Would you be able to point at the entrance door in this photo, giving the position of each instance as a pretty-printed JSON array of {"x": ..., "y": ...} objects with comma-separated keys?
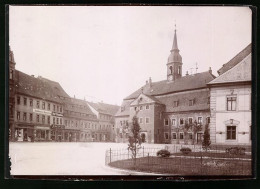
[
  {"x": 199, "y": 138},
  {"x": 143, "y": 137}
]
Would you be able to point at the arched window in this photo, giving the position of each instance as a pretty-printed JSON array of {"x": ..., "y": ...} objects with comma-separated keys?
[{"x": 171, "y": 71}]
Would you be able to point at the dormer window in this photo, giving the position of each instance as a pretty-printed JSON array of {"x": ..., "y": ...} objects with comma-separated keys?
[
  {"x": 191, "y": 102},
  {"x": 175, "y": 103}
]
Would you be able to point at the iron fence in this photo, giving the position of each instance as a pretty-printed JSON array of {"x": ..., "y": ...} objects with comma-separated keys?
[{"x": 216, "y": 160}]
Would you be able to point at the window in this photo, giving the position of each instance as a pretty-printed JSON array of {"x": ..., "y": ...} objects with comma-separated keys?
[
  {"x": 190, "y": 120},
  {"x": 231, "y": 103},
  {"x": 191, "y": 102},
  {"x": 61, "y": 121},
  {"x": 25, "y": 101},
  {"x": 24, "y": 116},
  {"x": 231, "y": 132},
  {"x": 199, "y": 120},
  {"x": 43, "y": 105},
  {"x": 166, "y": 136},
  {"x": 49, "y": 119},
  {"x": 179, "y": 70},
  {"x": 171, "y": 71},
  {"x": 140, "y": 120},
  {"x": 166, "y": 122},
  {"x": 136, "y": 108},
  {"x": 54, "y": 121},
  {"x": 38, "y": 118},
  {"x": 31, "y": 102},
  {"x": 43, "y": 118},
  {"x": 57, "y": 119},
  {"x": 181, "y": 121},
  {"x": 181, "y": 136},
  {"x": 147, "y": 107},
  {"x": 141, "y": 108},
  {"x": 11, "y": 74},
  {"x": 208, "y": 120},
  {"x": 18, "y": 100},
  {"x": 190, "y": 135},
  {"x": 175, "y": 103},
  {"x": 58, "y": 108},
  {"x": 147, "y": 120},
  {"x": 173, "y": 122},
  {"x": 49, "y": 106},
  {"x": 18, "y": 115},
  {"x": 174, "y": 136},
  {"x": 31, "y": 117},
  {"x": 61, "y": 109},
  {"x": 54, "y": 108},
  {"x": 38, "y": 104}
]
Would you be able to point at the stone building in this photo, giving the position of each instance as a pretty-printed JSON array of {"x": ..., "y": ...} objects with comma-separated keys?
[
  {"x": 230, "y": 101},
  {"x": 40, "y": 110},
  {"x": 168, "y": 110}
]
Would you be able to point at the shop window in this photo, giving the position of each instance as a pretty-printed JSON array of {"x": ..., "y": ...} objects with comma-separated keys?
[
  {"x": 231, "y": 103},
  {"x": 25, "y": 101},
  {"x": 231, "y": 132}
]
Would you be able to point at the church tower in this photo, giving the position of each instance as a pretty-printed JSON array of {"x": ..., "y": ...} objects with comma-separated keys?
[{"x": 174, "y": 64}]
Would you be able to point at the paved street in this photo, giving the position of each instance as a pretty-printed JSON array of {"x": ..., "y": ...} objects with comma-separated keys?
[{"x": 64, "y": 158}]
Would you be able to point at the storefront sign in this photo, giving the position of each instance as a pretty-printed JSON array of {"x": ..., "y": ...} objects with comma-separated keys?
[
  {"x": 42, "y": 111},
  {"x": 56, "y": 114},
  {"x": 41, "y": 127}
]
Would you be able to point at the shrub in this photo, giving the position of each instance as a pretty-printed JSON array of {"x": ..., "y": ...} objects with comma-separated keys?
[
  {"x": 185, "y": 150},
  {"x": 163, "y": 153},
  {"x": 236, "y": 151}
]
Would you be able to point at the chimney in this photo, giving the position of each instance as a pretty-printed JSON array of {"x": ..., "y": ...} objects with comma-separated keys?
[
  {"x": 187, "y": 73},
  {"x": 150, "y": 82},
  {"x": 210, "y": 71}
]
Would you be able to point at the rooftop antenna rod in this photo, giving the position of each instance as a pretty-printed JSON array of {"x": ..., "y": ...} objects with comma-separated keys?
[{"x": 196, "y": 67}]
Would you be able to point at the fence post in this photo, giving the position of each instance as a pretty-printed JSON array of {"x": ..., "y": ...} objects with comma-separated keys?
[
  {"x": 110, "y": 155},
  {"x": 143, "y": 151}
]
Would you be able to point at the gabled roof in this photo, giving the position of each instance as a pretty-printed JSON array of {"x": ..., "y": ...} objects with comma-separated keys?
[
  {"x": 38, "y": 87},
  {"x": 144, "y": 99},
  {"x": 234, "y": 61},
  {"x": 189, "y": 82},
  {"x": 104, "y": 108},
  {"x": 241, "y": 72}
]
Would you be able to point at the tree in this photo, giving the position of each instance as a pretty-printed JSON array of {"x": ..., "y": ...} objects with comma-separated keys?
[
  {"x": 196, "y": 128},
  {"x": 206, "y": 139},
  {"x": 134, "y": 139}
]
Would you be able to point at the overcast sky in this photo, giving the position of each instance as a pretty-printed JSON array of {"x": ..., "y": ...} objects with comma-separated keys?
[{"x": 106, "y": 53}]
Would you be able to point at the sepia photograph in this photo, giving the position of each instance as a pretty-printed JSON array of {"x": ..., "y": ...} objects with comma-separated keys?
[{"x": 130, "y": 90}]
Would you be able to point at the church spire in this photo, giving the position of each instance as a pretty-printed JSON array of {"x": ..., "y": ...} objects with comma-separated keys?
[{"x": 175, "y": 44}]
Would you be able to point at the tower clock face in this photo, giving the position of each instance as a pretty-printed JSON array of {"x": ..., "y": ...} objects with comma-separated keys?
[{"x": 170, "y": 77}]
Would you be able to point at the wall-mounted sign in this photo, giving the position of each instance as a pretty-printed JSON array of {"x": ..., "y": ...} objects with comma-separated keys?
[
  {"x": 56, "y": 114},
  {"x": 42, "y": 111}
]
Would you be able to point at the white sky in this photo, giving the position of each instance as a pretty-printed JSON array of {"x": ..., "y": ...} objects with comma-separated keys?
[{"x": 109, "y": 52}]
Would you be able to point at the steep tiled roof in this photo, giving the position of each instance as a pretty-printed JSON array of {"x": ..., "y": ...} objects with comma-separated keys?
[
  {"x": 189, "y": 82},
  {"x": 38, "y": 87},
  {"x": 200, "y": 101},
  {"x": 234, "y": 61},
  {"x": 104, "y": 108}
]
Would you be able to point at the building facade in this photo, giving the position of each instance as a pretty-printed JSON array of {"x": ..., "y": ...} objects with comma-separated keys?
[
  {"x": 230, "y": 102},
  {"x": 174, "y": 110},
  {"x": 40, "y": 110}
]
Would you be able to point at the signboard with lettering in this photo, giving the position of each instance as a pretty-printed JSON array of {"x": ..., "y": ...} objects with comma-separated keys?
[
  {"x": 38, "y": 111},
  {"x": 56, "y": 114}
]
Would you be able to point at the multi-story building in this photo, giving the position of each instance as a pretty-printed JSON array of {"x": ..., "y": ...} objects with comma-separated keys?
[
  {"x": 230, "y": 101},
  {"x": 40, "y": 110},
  {"x": 168, "y": 111}
]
